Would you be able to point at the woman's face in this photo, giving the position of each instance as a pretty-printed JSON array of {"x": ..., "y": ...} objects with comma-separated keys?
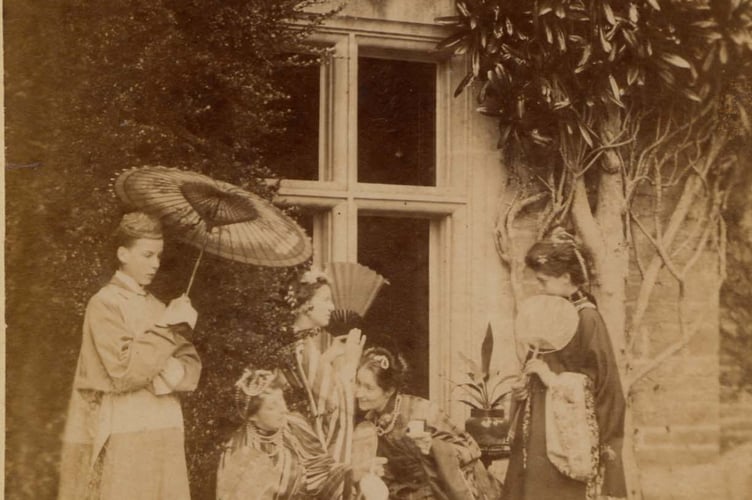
[
  {"x": 368, "y": 393},
  {"x": 272, "y": 412},
  {"x": 319, "y": 308},
  {"x": 561, "y": 286},
  {"x": 141, "y": 259}
]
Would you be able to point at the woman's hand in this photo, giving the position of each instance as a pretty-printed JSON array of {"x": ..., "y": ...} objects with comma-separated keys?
[
  {"x": 344, "y": 353},
  {"x": 540, "y": 368},
  {"x": 179, "y": 311},
  {"x": 377, "y": 466},
  {"x": 373, "y": 488}
]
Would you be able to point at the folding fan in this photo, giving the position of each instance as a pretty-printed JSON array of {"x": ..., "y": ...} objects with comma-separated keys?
[{"x": 354, "y": 288}]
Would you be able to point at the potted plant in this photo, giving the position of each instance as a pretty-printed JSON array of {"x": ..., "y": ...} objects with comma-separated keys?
[{"x": 485, "y": 394}]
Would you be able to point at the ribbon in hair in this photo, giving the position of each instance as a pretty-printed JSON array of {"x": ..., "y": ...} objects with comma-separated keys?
[
  {"x": 255, "y": 382},
  {"x": 382, "y": 360}
]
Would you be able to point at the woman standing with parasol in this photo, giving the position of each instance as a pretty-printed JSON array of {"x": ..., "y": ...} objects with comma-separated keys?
[
  {"x": 124, "y": 434},
  {"x": 573, "y": 394}
]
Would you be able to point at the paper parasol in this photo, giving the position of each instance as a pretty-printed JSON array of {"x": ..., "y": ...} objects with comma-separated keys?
[{"x": 215, "y": 216}]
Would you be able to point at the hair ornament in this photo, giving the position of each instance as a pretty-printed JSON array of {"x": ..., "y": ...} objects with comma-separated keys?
[
  {"x": 290, "y": 297},
  {"x": 313, "y": 276},
  {"x": 382, "y": 360},
  {"x": 541, "y": 259},
  {"x": 254, "y": 382},
  {"x": 561, "y": 236}
]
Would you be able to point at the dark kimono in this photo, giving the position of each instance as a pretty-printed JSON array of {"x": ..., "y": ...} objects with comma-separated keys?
[
  {"x": 531, "y": 475},
  {"x": 451, "y": 470}
]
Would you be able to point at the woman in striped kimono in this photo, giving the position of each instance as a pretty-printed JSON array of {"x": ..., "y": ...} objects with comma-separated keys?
[
  {"x": 324, "y": 366},
  {"x": 276, "y": 454}
]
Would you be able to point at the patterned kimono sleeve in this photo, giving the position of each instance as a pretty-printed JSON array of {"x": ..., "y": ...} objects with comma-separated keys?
[{"x": 131, "y": 359}]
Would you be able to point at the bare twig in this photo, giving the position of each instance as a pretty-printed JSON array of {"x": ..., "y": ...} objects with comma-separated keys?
[{"x": 658, "y": 246}]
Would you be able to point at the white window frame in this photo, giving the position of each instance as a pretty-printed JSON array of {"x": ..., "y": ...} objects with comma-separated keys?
[{"x": 341, "y": 198}]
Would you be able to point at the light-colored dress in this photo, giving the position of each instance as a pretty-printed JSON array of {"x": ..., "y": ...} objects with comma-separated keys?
[{"x": 124, "y": 433}]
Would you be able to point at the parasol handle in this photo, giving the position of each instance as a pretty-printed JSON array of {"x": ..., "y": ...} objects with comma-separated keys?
[{"x": 195, "y": 268}]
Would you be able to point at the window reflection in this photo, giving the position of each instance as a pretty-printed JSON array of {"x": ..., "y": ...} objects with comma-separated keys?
[
  {"x": 396, "y": 122},
  {"x": 295, "y": 155},
  {"x": 398, "y": 248}
]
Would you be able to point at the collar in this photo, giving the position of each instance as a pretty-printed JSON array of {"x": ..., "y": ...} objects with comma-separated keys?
[
  {"x": 582, "y": 300},
  {"x": 124, "y": 281}
]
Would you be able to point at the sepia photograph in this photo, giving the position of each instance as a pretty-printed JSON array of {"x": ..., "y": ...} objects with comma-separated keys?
[{"x": 378, "y": 249}]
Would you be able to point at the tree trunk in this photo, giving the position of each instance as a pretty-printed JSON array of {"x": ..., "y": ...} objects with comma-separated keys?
[{"x": 602, "y": 229}]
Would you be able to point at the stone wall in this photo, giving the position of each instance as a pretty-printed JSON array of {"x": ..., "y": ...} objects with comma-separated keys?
[{"x": 676, "y": 408}]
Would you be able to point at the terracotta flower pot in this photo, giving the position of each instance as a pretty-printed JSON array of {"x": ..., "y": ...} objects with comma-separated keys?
[{"x": 489, "y": 429}]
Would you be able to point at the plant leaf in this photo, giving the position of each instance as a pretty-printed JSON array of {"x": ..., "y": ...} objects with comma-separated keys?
[
  {"x": 472, "y": 365},
  {"x": 609, "y": 13},
  {"x": 448, "y": 20},
  {"x": 676, "y": 60},
  {"x": 471, "y": 404},
  {"x": 463, "y": 84},
  {"x": 472, "y": 389},
  {"x": 585, "y": 134},
  {"x": 654, "y": 4},
  {"x": 499, "y": 399},
  {"x": 486, "y": 350},
  {"x": 451, "y": 40},
  {"x": 614, "y": 87}
]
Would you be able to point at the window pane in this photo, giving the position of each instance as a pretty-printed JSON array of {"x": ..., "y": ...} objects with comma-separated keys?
[
  {"x": 398, "y": 320},
  {"x": 396, "y": 122},
  {"x": 296, "y": 154}
]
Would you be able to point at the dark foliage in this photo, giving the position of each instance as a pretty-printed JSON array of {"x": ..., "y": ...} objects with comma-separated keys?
[{"x": 96, "y": 87}]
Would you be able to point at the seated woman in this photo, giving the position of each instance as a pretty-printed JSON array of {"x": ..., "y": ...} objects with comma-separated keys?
[
  {"x": 277, "y": 454},
  {"x": 437, "y": 462}
]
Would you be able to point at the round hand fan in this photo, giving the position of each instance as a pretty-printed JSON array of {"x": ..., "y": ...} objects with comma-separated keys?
[
  {"x": 354, "y": 288},
  {"x": 546, "y": 323}
]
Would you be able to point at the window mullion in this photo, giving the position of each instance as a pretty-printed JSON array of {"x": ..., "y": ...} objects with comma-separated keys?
[
  {"x": 339, "y": 85},
  {"x": 352, "y": 104}
]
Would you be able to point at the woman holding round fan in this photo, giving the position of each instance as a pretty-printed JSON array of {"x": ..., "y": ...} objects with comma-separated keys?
[
  {"x": 573, "y": 395},
  {"x": 428, "y": 457}
]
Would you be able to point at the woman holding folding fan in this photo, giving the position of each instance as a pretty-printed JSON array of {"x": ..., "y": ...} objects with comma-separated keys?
[
  {"x": 324, "y": 366},
  {"x": 319, "y": 448}
]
